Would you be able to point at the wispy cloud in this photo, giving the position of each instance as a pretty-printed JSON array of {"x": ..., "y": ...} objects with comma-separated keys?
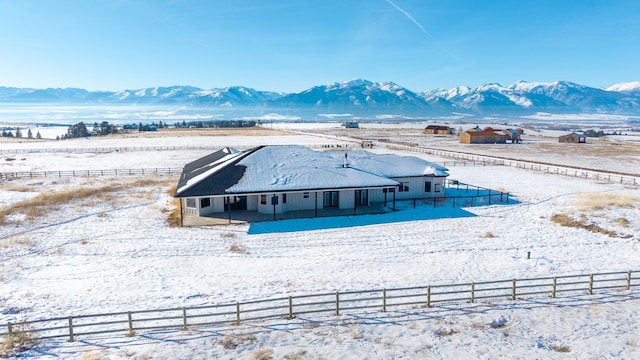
[{"x": 406, "y": 13}]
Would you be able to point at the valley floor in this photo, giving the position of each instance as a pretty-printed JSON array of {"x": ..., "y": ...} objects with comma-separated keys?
[{"x": 114, "y": 251}]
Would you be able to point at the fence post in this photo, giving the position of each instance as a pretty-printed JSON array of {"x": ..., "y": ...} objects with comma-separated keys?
[
  {"x": 590, "y": 284},
  {"x": 513, "y": 290},
  {"x": 70, "y": 329},
  {"x": 290, "y": 307},
  {"x": 629, "y": 280},
  {"x": 473, "y": 286},
  {"x": 9, "y": 342},
  {"x": 237, "y": 313},
  {"x": 130, "y": 318},
  {"x": 337, "y": 303},
  {"x": 384, "y": 300},
  {"x": 555, "y": 283},
  {"x": 428, "y": 295},
  {"x": 184, "y": 318}
]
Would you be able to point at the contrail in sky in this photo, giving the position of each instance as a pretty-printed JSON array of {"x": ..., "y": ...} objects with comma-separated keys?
[
  {"x": 421, "y": 27},
  {"x": 410, "y": 17}
]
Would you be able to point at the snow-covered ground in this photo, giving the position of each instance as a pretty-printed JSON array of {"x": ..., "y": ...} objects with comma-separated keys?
[{"x": 119, "y": 254}]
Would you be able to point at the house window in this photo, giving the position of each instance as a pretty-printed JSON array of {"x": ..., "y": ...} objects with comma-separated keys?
[
  {"x": 191, "y": 203},
  {"x": 284, "y": 198},
  {"x": 263, "y": 199},
  {"x": 362, "y": 197},
  {"x": 427, "y": 186},
  {"x": 404, "y": 186},
  {"x": 305, "y": 195},
  {"x": 330, "y": 199},
  {"x": 205, "y": 202},
  {"x": 436, "y": 187}
]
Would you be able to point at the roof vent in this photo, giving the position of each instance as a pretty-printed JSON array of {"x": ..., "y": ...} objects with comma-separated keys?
[{"x": 345, "y": 165}]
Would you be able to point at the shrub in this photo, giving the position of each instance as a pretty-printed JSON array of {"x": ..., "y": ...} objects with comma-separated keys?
[
  {"x": 566, "y": 220},
  {"x": 22, "y": 340},
  {"x": 174, "y": 218},
  {"x": 561, "y": 349},
  {"x": 238, "y": 248},
  {"x": 264, "y": 354}
]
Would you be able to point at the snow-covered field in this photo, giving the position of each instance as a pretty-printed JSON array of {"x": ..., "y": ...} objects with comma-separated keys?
[{"x": 117, "y": 253}]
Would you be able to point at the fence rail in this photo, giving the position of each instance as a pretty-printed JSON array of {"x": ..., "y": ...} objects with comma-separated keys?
[
  {"x": 88, "y": 173},
  {"x": 333, "y": 303},
  {"x": 476, "y": 160},
  {"x": 99, "y": 150}
]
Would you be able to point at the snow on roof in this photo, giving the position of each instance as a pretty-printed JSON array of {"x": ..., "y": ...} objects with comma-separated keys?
[
  {"x": 293, "y": 167},
  {"x": 393, "y": 166},
  {"x": 279, "y": 168}
]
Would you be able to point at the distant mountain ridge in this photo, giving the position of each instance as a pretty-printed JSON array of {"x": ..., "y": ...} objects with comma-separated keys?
[{"x": 365, "y": 96}]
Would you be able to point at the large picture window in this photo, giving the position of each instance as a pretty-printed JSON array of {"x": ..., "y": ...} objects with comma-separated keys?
[
  {"x": 362, "y": 197},
  {"x": 205, "y": 202},
  {"x": 330, "y": 199}
]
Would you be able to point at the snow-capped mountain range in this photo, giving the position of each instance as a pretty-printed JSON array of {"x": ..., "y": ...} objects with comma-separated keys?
[{"x": 365, "y": 96}]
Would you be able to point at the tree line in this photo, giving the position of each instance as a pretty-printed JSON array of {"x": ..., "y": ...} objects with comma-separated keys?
[{"x": 7, "y": 132}]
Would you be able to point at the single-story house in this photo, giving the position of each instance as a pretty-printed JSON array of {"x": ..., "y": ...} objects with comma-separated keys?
[
  {"x": 437, "y": 129},
  {"x": 573, "y": 138},
  {"x": 289, "y": 178},
  {"x": 351, "y": 125},
  {"x": 474, "y": 136}
]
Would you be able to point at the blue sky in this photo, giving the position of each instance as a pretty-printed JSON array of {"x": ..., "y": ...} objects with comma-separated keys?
[{"x": 292, "y": 45}]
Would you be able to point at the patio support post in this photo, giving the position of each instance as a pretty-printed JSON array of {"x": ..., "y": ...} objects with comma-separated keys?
[
  {"x": 316, "y": 207},
  {"x": 355, "y": 204},
  {"x": 394, "y": 201},
  {"x": 229, "y": 208}
]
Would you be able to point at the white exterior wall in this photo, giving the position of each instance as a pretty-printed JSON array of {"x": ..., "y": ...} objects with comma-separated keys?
[
  {"x": 346, "y": 199},
  {"x": 252, "y": 202},
  {"x": 297, "y": 201},
  {"x": 377, "y": 195},
  {"x": 217, "y": 204},
  {"x": 416, "y": 187}
]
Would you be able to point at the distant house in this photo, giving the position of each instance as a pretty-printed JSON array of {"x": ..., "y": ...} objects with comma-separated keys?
[
  {"x": 437, "y": 129},
  {"x": 351, "y": 125},
  {"x": 513, "y": 135},
  {"x": 475, "y": 136},
  {"x": 294, "y": 179},
  {"x": 573, "y": 138}
]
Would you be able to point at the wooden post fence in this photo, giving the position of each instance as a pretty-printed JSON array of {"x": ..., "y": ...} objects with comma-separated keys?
[{"x": 338, "y": 303}]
